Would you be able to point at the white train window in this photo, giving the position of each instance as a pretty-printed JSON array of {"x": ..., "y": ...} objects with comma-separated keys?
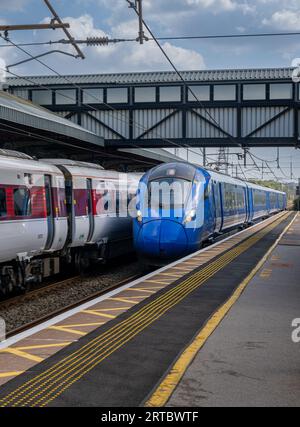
[
  {"x": 3, "y": 209},
  {"x": 22, "y": 202}
]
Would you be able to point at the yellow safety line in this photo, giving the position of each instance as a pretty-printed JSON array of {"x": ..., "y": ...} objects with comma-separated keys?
[
  {"x": 41, "y": 346},
  {"x": 171, "y": 274},
  {"x": 98, "y": 313},
  {"x": 141, "y": 320},
  {"x": 190, "y": 261},
  {"x": 10, "y": 374},
  {"x": 79, "y": 325},
  {"x": 134, "y": 297},
  {"x": 126, "y": 301},
  {"x": 166, "y": 388},
  {"x": 22, "y": 354},
  {"x": 66, "y": 329},
  {"x": 140, "y": 290},
  {"x": 158, "y": 282},
  {"x": 114, "y": 309}
]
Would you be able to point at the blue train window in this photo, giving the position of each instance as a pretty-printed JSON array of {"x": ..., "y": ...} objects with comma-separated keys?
[
  {"x": 3, "y": 209},
  {"x": 206, "y": 193},
  {"x": 260, "y": 198},
  {"x": 273, "y": 200}
]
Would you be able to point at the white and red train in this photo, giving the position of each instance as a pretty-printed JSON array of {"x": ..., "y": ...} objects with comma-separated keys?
[{"x": 54, "y": 211}]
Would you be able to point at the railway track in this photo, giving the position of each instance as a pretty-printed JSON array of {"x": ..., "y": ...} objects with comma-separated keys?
[
  {"x": 41, "y": 290},
  {"x": 25, "y": 311},
  {"x": 61, "y": 310}
]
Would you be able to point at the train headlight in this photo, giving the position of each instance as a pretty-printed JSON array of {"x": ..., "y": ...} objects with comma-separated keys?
[
  {"x": 191, "y": 216},
  {"x": 139, "y": 216}
]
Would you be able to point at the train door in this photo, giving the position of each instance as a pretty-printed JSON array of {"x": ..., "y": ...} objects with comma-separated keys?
[
  {"x": 251, "y": 204},
  {"x": 50, "y": 213},
  {"x": 247, "y": 205},
  {"x": 209, "y": 210},
  {"x": 90, "y": 209},
  {"x": 218, "y": 207}
]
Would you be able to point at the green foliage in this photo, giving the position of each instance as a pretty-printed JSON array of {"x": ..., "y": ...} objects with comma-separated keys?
[
  {"x": 271, "y": 184},
  {"x": 297, "y": 204},
  {"x": 289, "y": 189}
]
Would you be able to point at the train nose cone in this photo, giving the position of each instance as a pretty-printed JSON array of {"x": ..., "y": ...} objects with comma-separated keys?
[
  {"x": 164, "y": 238},
  {"x": 149, "y": 238},
  {"x": 173, "y": 240}
]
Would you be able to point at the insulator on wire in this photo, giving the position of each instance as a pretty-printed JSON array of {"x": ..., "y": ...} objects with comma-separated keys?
[{"x": 97, "y": 41}]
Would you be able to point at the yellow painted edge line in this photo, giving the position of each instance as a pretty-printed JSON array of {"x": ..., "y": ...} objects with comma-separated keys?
[
  {"x": 98, "y": 313},
  {"x": 22, "y": 354},
  {"x": 81, "y": 325},
  {"x": 139, "y": 290},
  {"x": 166, "y": 388},
  {"x": 66, "y": 329},
  {"x": 170, "y": 274},
  {"x": 10, "y": 374},
  {"x": 42, "y": 346},
  {"x": 125, "y": 301},
  {"x": 156, "y": 282},
  {"x": 107, "y": 310}
]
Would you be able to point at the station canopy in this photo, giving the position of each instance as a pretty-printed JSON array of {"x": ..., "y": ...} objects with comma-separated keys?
[{"x": 36, "y": 131}]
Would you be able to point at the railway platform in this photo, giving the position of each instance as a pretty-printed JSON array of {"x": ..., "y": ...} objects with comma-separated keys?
[
  {"x": 252, "y": 359},
  {"x": 225, "y": 307}
]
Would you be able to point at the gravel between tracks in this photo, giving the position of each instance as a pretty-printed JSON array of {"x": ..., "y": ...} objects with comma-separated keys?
[{"x": 35, "y": 307}]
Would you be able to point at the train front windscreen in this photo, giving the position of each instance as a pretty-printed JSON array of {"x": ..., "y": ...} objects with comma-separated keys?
[
  {"x": 169, "y": 196},
  {"x": 169, "y": 188}
]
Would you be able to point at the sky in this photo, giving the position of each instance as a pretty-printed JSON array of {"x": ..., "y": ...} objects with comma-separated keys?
[{"x": 113, "y": 18}]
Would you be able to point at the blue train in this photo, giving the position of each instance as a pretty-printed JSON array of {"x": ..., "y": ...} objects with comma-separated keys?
[{"x": 180, "y": 206}]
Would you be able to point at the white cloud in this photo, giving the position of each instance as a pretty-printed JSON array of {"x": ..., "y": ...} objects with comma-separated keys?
[
  {"x": 222, "y": 5},
  {"x": 284, "y": 20},
  {"x": 150, "y": 56},
  {"x": 129, "y": 56},
  {"x": 2, "y": 70}
]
